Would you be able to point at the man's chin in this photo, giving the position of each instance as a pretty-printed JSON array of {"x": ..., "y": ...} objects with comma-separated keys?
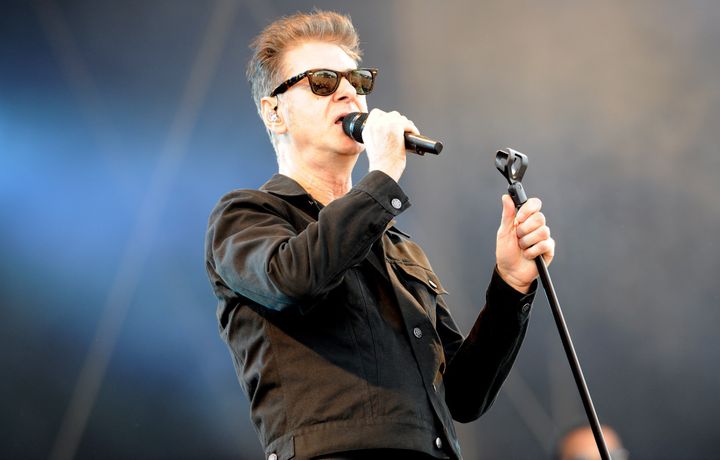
[
  {"x": 350, "y": 152},
  {"x": 350, "y": 147}
]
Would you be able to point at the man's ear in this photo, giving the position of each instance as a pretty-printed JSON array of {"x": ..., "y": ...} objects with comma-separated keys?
[{"x": 271, "y": 116}]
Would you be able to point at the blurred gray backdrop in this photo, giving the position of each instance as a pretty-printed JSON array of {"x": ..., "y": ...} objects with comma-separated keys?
[{"x": 122, "y": 122}]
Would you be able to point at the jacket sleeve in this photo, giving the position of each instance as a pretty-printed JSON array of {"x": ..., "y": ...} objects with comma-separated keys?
[
  {"x": 257, "y": 252},
  {"x": 479, "y": 364}
]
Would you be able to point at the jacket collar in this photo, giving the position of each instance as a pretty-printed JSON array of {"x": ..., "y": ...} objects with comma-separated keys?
[{"x": 283, "y": 186}]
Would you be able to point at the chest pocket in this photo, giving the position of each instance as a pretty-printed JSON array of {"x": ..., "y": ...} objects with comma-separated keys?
[{"x": 422, "y": 283}]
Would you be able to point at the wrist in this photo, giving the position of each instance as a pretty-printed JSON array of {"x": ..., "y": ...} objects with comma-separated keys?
[
  {"x": 514, "y": 282},
  {"x": 394, "y": 173}
]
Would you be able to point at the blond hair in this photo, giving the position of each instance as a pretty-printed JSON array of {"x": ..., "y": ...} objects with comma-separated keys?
[{"x": 264, "y": 70}]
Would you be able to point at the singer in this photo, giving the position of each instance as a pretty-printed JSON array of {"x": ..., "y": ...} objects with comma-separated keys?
[{"x": 337, "y": 324}]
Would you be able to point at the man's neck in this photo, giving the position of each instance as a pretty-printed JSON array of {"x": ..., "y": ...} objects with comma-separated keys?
[{"x": 325, "y": 181}]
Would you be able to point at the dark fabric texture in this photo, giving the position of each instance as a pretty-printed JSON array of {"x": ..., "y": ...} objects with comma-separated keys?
[
  {"x": 338, "y": 327},
  {"x": 377, "y": 454}
]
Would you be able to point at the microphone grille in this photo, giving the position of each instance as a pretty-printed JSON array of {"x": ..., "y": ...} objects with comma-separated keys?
[{"x": 353, "y": 124}]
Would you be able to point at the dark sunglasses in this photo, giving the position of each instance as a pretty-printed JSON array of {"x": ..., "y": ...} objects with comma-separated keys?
[{"x": 324, "y": 82}]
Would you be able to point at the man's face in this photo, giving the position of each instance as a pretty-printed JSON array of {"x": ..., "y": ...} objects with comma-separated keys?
[{"x": 313, "y": 121}]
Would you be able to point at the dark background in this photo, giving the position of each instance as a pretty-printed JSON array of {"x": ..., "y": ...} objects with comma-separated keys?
[{"x": 122, "y": 123}]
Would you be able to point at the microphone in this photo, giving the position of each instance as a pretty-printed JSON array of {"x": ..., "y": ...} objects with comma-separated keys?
[{"x": 354, "y": 123}]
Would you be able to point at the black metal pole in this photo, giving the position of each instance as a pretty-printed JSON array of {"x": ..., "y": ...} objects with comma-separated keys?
[
  {"x": 512, "y": 164},
  {"x": 572, "y": 357}
]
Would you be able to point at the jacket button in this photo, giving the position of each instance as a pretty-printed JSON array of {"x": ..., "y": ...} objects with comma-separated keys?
[
  {"x": 438, "y": 442},
  {"x": 526, "y": 308},
  {"x": 396, "y": 203},
  {"x": 417, "y": 332},
  {"x": 273, "y": 456},
  {"x": 432, "y": 284}
]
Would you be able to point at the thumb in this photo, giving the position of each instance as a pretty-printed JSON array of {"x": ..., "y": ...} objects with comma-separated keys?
[{"x": 507, "y": 221}]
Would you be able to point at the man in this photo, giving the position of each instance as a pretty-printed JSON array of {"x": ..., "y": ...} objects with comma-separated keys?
[{"x": 335, "y": 320}]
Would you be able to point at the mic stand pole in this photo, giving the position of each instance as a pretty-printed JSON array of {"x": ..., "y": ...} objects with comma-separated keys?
[{"x": 512, "y": 165}]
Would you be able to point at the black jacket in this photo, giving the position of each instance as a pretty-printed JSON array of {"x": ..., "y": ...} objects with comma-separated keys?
[{"x": 338, "y": 327}]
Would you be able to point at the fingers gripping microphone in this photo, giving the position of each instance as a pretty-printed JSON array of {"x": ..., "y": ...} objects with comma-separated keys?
[{"x": 354, "y": 123}]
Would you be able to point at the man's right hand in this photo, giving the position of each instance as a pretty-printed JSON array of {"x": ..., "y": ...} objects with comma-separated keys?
[{"x": 384, "y": 141}]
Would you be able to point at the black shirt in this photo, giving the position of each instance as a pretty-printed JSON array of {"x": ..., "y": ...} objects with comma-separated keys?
[{"x": 338, "y": 327}]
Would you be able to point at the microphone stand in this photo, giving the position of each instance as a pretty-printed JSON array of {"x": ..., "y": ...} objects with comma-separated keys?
[{"x": 512, "y": 165}]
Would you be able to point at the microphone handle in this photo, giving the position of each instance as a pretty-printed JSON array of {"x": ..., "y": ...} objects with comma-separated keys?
[{"x": 422, "y": 145}]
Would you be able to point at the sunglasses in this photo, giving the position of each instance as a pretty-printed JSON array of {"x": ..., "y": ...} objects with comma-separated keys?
[{"x": 324, "y": 82}]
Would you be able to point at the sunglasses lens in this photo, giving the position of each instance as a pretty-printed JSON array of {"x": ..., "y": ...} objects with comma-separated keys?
[
  {"x": 362, "y": 80},
  {"x": 323, "y": 82}
]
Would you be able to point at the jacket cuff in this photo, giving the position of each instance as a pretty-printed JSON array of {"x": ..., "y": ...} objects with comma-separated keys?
[
  {"x": 502, "y": 296},
  {"x": 383, "y": 189}
]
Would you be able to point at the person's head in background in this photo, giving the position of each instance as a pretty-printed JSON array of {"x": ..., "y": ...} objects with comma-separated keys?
[{"x": 578, "y": 443}]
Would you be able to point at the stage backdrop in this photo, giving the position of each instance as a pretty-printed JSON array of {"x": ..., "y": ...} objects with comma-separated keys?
[{"x": 122, "y": 123}]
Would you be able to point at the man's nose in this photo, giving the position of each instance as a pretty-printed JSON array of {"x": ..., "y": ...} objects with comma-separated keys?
[{"x": 345, "y": 89}]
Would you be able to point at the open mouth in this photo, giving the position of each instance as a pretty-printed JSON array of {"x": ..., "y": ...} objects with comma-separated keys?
[{"x": 340, "y": 119}]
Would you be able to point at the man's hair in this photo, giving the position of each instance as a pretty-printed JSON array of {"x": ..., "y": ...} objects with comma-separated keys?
[{"x": 265, "y": 67}]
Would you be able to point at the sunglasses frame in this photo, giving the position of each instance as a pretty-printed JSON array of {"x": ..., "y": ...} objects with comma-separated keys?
[{"x": 287, "y": 84}]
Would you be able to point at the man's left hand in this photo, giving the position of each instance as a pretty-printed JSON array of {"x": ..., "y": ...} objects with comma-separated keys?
[{"x": 520, "y": 239}]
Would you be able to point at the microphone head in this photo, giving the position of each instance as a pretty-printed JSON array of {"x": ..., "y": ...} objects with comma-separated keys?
[{"x": 353, "y": 124}]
